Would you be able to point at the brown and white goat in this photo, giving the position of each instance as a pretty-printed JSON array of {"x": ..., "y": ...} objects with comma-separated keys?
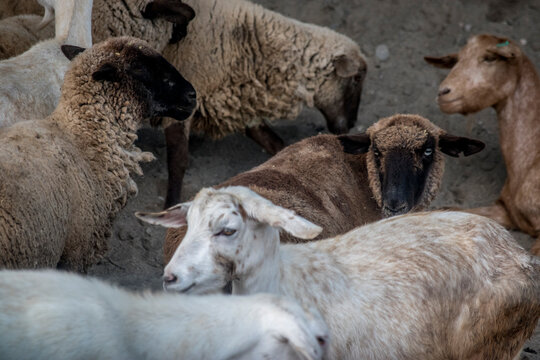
[
  {"x": 494, "y": 71},
  {"x": 342, "y": 182}
]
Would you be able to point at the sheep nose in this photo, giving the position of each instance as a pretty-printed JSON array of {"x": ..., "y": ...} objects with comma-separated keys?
[
  {"x": 191, "y": 96},
  {"x": 444, "y": 91},
  {"x": 169, "y": 279}
]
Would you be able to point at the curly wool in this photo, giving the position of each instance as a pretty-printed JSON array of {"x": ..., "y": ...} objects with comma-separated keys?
[
  {"x": 410, "y": 132},
  {"x": 64, "y": 178},
  {"x": 248, "y": 63}
]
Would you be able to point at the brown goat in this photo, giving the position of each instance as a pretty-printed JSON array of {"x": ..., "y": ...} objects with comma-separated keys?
[
  {"x": 493, "y": 71},
  {"x": 342, "y": 182}
]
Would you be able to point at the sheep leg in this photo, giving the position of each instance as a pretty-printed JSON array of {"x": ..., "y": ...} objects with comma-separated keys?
[
  {"x": 496, "y": 212},
  {"x": 177, "y": 140},
  {"x": 263, "y": 135}
]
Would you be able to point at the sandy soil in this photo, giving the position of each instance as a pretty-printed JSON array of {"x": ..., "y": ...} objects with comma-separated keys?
[{"x": 403, "y": 83}]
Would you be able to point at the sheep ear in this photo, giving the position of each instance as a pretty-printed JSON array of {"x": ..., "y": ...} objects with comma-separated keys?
[
  {"x": 264, "y": 211},
  {"x": 443, "y": 62},
  {"x": 70, "y": 51},
  {"x": 355, "y": 144},
  {"x": 506, "y": 50},
  {"x": 173, "y": 217},
  {"x": 454, "y": 145},
  {"x": 106, "y": 72},
  {"x": 346, "y": 66},
  {"x": 169, "y": 10}
]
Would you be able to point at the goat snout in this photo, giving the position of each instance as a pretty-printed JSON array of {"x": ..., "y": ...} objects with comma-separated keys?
[
  {"x": 169, "y": 278},
  {"x": 444, "y": 91}
]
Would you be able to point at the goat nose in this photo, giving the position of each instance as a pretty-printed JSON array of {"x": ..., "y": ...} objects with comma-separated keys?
[
  {"x": 169, "y": 279},
  {"x": 444, "y": 91}
]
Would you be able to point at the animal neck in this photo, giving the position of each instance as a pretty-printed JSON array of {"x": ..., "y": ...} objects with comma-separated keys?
[
  {"x": 519, "y": 120},
  {"x": 73, "y": 24},
  {"x": 261, "y": 270}
]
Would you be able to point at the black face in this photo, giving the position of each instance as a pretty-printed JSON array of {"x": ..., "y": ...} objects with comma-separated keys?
[
  {"x": 403, "y": 178},
  {"x": 341, "y": 115},
  {"x": 169, "y": 94}
]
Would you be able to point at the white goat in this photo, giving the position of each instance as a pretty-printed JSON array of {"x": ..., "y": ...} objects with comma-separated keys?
[
  {"x": 58, "y": 315},
  {"x": 443, "y": 285},
  {"x": 31, "y": 82}
]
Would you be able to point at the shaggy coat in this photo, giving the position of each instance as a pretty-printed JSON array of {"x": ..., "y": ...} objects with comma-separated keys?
[
  {"x": 56, "y": 315},
  {"x": 506, "y": 80},
  {"x": 10, "y": 8},
  {"x": 294, "y": 60},
  {"x": 440, "y": 285},
  {"x": 339, "y": 191},
  {"x": 63, "y": 179}
]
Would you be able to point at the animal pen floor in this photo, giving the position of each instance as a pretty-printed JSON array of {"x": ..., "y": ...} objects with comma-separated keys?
[{"x": 402, "y": 83}]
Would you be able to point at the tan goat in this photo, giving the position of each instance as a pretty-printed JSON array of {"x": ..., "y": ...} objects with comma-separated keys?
[
  {"x": 341, "y": 182},
  {"x": 493, "y": 71}
]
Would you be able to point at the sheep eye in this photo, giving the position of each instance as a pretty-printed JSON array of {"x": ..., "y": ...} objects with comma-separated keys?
[
  {"x": 226, "y": 232},
  {"x": 490, "y": 58},
  {"x": 428, "y": 152},
  {"x": 376, "y": 152}
]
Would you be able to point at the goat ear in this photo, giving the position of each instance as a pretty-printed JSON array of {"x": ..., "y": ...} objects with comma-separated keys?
[
  {"x": 443, "y": 62},
  {"x": 106, "y": 72},
  {"x": 265, "y": 211},
  {"x": 346, "y": 66},
  {"x": 70, "y": 51},
  {"x": 355, "y": 144},
  {"x": 506, "y": 50},
  {"x": 454, "y": 145},
  {"x": 173, "y": 217}
]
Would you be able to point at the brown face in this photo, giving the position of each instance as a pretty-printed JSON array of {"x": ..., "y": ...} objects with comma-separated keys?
[{"x": 484, "y": 72}]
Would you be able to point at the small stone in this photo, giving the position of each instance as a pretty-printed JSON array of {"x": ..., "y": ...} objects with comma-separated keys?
[
  {"x": 382, "y": 53},
  {"x": 468, "y": 27},
  {"x": 523, "y": 42}
]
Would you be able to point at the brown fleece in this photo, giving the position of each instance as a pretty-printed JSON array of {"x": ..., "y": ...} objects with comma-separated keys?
[
  {"x": 64, "y": 178},
  {"x": 317, "y": 180},
  {"x": 410, "y": 133}
]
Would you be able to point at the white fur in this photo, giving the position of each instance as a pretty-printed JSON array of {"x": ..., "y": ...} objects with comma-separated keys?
[
  {"x": 31, "y": 82},
  {"x": 57, "y": 315},
  {"x": 419, "y": 286}
]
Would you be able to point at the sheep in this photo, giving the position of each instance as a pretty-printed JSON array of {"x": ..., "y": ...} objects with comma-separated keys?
[
  {"x": 19, "y": 33},
  {"x": 342, "y": 182},
  {"x": 440, "y": 285},
  {"x": 249, "y": 64},
  {"x": 158, "y": 22},
  {"x": 58, "y": 315},
  {"x": 505, "y": 79},
  {"x": 63, "y": 178},
  {"x": 31, "y": 82}
]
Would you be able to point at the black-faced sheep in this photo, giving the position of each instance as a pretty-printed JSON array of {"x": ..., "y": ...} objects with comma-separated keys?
[
  {"x": 493, "y": 71},
  {"x": 440, "y": 285},
  {"x": 63, "y": 179},
  {"x": 249, "y": 64},
  {"x": 55, "y": 315},
  {"x": 341, "y": 182}
]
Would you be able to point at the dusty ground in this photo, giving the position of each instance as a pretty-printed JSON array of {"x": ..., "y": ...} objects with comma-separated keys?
[{"x": 401, "y": 84}]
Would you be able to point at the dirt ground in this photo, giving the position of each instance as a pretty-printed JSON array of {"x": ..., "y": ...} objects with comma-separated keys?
[{"x": 403, "y": 83}]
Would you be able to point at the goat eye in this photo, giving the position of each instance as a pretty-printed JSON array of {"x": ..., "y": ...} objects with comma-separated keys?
[
  {"x": 490, "y": 58},
  {"x": 226, "y": 232},
  {"x": 428, "y": 152}
]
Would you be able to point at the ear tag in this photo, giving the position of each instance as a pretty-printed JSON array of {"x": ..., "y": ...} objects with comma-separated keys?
[{"x": 503, "y": 44}]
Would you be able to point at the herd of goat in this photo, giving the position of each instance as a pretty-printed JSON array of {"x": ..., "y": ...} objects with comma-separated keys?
[{"x": 315, "y": 228}]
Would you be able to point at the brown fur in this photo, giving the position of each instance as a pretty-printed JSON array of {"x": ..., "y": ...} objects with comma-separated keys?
[
  {"x": 410, "y": 132},
  {"x": 504, "y": 78}
]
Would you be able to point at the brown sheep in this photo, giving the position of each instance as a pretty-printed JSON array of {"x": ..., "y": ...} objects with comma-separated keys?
[
  {"x": 342, "y": 182},
  {"x": 491, "y": 71}
]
